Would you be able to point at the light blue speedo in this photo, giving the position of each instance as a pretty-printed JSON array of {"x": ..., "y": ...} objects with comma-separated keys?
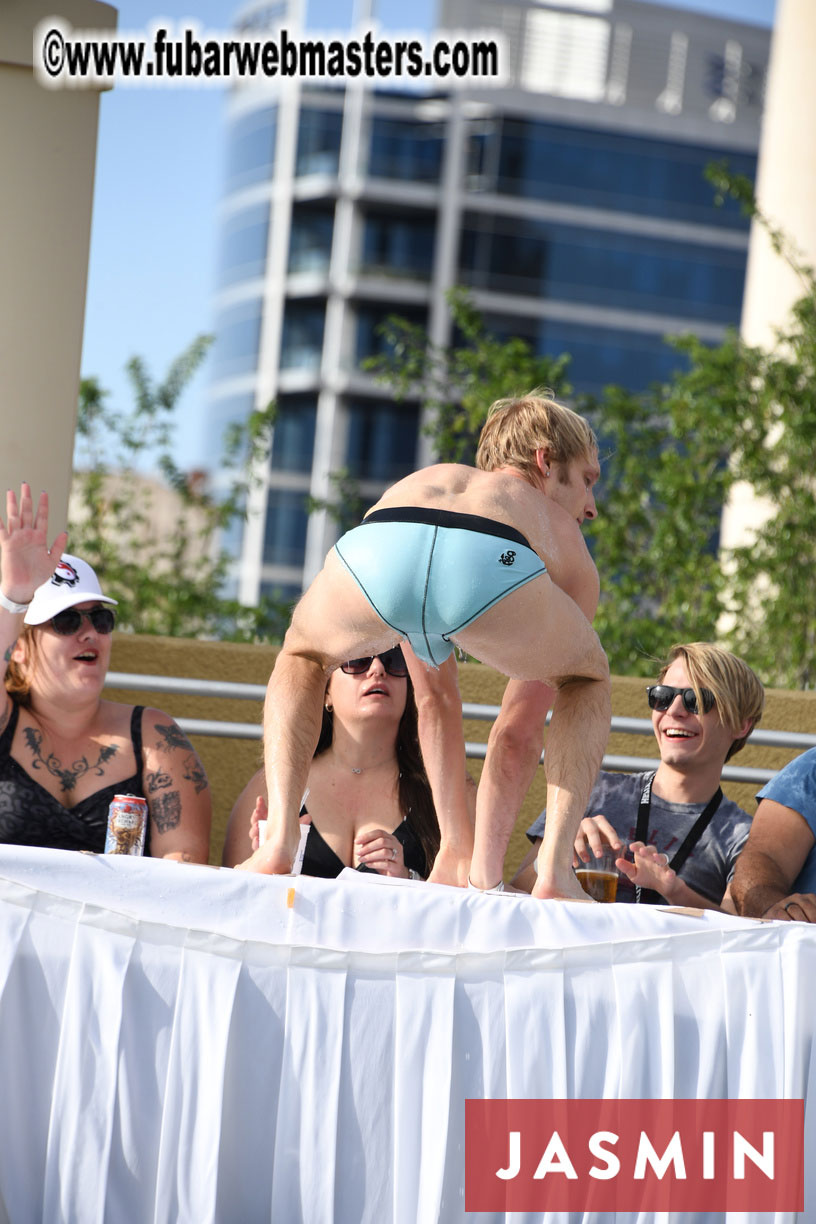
[{"x": 430, "y": 573}]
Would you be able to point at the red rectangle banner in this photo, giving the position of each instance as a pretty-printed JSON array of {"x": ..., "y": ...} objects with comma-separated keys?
[{"x": 634, "y": 1155}]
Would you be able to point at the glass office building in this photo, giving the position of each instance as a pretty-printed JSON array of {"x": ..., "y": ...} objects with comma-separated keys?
[{"x": 571, "y": 202}]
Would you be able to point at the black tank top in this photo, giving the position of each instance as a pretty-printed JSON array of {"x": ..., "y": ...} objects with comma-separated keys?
[
  {"x": 31, "y": 816},
  {"x": 320, "y": 860}
]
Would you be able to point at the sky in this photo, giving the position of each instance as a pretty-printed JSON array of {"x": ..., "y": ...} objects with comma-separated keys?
[{"x": 154, "y": 237}]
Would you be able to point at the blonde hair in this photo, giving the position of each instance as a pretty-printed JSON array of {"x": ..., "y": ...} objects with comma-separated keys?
[
  {"x": 737, "y": 689},
  {"x": 516, "y": 428},
  {"x": 18, "y": 675}
]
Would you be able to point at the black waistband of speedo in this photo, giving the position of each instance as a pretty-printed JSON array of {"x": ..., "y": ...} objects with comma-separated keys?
[{"x": 446, "y": 518}]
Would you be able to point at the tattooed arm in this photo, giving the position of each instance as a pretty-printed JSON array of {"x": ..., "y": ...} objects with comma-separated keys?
[{"x": 177, "y": 791}]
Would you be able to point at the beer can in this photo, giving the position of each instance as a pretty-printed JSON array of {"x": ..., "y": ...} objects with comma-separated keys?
[{"x": 127, "y": 824}]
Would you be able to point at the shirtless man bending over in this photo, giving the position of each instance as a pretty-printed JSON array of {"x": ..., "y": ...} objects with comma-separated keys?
[{"x": 491, "y": 558}]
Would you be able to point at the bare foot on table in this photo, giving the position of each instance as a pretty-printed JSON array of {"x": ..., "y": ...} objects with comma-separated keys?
[
  {"x": 451, "y": 867},
  {"x": 559, "y": 888},
  {"x": 269, "y": 860}
]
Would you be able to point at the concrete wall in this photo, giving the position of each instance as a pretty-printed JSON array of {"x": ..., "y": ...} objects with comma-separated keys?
[
  {"x": 48, "y": 150},
  {"x": 230, "y": 762}
]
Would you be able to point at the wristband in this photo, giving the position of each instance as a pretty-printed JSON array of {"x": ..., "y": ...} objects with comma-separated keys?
[{"x": 11, "y": 606}]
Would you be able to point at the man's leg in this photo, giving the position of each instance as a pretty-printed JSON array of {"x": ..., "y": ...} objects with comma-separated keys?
[
  {"x": 575, "y": 742},
  {"x": 442, "y": 742},
  {"x": 333, "y": 622},
  {"x": 513, "y": 749},
  {"x": 292, "y": 718},
  {"x": 539, "y": 633}
]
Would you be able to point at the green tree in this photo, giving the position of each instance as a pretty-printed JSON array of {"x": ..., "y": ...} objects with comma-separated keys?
[
  {"x": 770, "y": 587},
  {"x": 664, "y": 477},
  {"x": 456, "y": 384},
  {"x": 737, "y": 414},
  {"x": 169, "y": 576},
  {"x": 346, "y": 506},
  {"x": 670, "y": 457},
  {"x": 771, "y": 581}
]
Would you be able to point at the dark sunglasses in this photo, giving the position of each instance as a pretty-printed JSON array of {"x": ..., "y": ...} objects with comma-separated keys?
[
  {"x": 662, "y": 695},
  {"x": 70, "y": 621},
  {"x": 392, "y": 660}
]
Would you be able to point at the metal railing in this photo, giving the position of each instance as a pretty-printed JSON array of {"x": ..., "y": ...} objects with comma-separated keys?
[{"x": 179, "y": 686}]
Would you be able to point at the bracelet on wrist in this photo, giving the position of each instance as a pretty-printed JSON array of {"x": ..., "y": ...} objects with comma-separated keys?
[{"x": 11, "y": 606}]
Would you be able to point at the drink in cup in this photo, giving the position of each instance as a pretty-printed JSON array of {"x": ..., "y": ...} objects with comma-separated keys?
[{"x": 599, "y": 877}]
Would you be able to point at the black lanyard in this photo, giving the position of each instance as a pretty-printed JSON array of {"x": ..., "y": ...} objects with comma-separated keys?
[{"x": 692, "y": 837}]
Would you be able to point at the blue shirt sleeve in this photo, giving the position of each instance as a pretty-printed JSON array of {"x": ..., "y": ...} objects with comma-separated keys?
[{"x": 795, "y": 787}]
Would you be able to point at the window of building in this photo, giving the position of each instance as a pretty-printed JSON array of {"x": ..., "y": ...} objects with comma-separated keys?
[
  {"x": 627, "y": 173},
  {"x": 237, "y": 339},
  {"x": 225, "y": 412},
  {"x": 599, "y": 356},
  {"x": 370, "y": 316},
  {"x": 310, "y": 239},
  {"x": 382, "y": 439},
  {"x": 398, "y": 245},
  {"x": 628, "y": 271},
  {"x": 243, "y": 245},
  {"x": 302, "y": 337},
  {"x": 281, "y": 592},
  {"x": 405, "y": 149},
  {"x": 318, "y": 144},
  {"x": 285, "y": 528},
  {"x": 251, "y": 148},
  {"x": 294, "y": 434}
]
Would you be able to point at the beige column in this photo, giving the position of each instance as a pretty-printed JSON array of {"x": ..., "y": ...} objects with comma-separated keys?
[
  {"x": 47, "y": 155},
  {"x": 786, "y": 173},
  {"x": 786, "y": 193}
]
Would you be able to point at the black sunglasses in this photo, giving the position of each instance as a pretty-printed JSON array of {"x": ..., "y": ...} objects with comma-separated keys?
[
  {"x": 69, "y": 622},
  {"x": 392, "y": 660},
  {"x": 662, "y": 695}
]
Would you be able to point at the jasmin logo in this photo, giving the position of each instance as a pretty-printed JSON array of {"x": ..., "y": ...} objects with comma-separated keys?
[{"x": 634, "y": 1155}]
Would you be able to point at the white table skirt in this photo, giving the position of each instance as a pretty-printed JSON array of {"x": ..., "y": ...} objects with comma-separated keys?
[{"x": 179, "y": 1044}]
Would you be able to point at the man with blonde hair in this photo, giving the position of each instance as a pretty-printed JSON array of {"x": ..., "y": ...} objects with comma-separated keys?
[
  {"x": 491, "y": 558},
  {"x": 704, "y": 706}
]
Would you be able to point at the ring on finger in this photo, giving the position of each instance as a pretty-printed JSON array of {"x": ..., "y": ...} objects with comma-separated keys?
[{"x": 393, "y": 854}]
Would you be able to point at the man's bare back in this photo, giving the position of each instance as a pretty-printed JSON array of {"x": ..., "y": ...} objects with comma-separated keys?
[{"x": 507, "y": 498}]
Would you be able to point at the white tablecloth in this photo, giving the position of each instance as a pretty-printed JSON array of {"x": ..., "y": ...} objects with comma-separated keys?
[{"x": 182, "y": 1044}]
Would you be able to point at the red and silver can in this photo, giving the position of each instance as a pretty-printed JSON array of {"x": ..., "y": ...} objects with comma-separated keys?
[{"x": 127, "y": 824}]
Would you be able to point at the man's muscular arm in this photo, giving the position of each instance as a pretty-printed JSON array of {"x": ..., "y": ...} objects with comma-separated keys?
[{"x": 778, "y": 844}]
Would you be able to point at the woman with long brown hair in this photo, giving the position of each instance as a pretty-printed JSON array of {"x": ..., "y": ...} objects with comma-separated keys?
[{"x": 368, "y": 800}]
